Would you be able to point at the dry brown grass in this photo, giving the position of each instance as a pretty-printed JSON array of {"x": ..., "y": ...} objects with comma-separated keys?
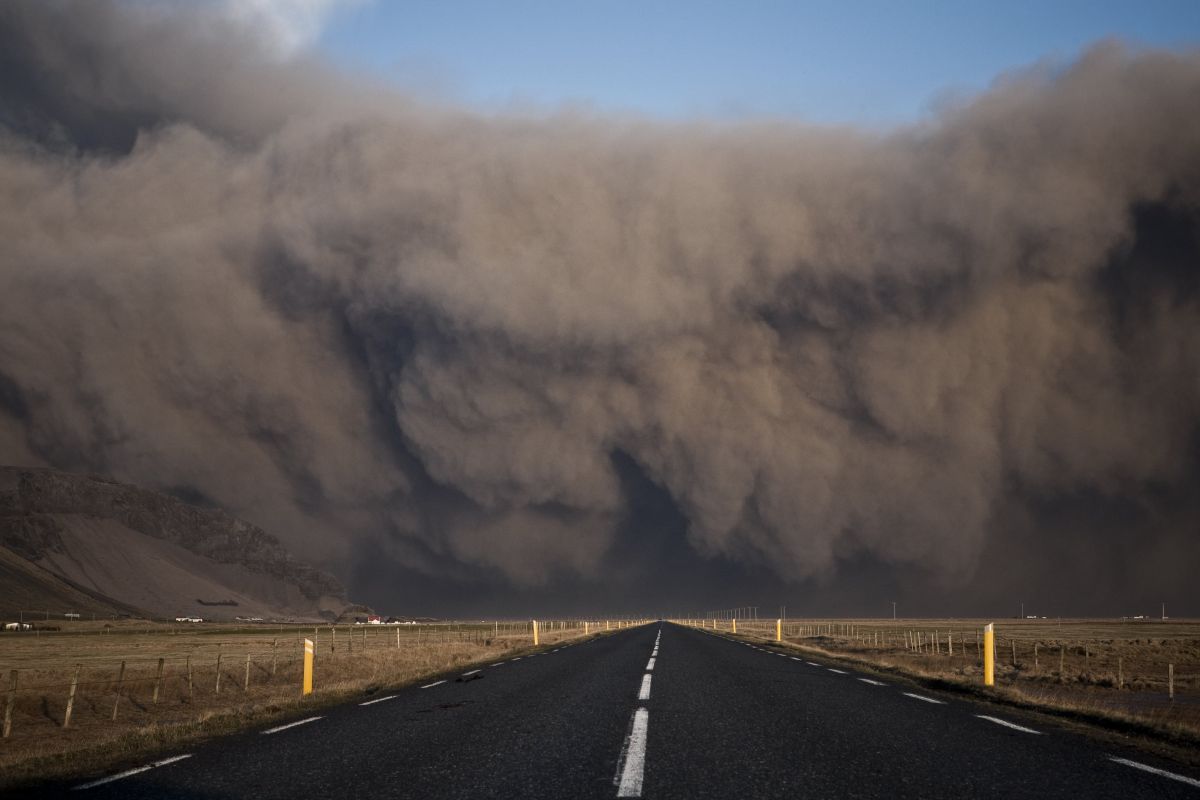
[
  {"x": 354, "y": 661},
  {"x": 1111, "y": 672}
]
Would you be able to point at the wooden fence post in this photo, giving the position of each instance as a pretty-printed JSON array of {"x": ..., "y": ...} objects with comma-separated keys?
[
  {"x": 8, "y": 704},
  {"x": 71, "y": 698},
  {"x": 217, "y": 688},
  {"x": 189, "y": 677},
  {"x": 246, "y": 684},
  {"x": 1171, "y": 681},
  {"x": 1035, "y": 656},
  {"x": 397, "y": 637},
  {"x": 274, "y": 654},
  {"x": 158, "y": 680},
  {"x": 117, "y": 697}
]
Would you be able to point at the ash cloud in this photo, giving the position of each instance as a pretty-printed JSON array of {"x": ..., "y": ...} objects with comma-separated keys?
[{"x": 508, "y": 355}]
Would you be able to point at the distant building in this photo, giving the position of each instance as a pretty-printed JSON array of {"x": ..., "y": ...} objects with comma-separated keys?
[
  {"x": 374, "y": 619},
  {"x": 188, "y": 619}
]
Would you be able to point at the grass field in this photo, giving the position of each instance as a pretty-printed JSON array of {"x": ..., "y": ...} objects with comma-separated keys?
[
  {"x": 116, "y": 667},
  {"x": 1115, "y": 671}
]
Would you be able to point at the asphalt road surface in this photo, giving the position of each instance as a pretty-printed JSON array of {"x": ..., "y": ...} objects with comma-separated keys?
[{"x": 659, "y": 711}]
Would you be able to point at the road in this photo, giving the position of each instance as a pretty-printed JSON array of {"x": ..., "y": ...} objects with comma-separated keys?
[{"x": 660, "y": 711}]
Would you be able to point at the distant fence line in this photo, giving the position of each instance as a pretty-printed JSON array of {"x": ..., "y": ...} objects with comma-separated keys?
[
  {"x": 224, "y": 662},
  {"x": 1104, "y": 662}
]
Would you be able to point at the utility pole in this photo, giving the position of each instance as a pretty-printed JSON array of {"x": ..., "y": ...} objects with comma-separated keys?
[
  {"x": 1164, "y": 612},
  {"x": 893, "y": 609},
  {"x": 1022, "y": 609}
]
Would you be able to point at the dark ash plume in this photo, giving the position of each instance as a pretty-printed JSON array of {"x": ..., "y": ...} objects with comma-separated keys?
[{"x": 487, "y": 351}]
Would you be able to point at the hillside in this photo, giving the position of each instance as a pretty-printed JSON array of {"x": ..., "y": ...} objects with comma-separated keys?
[{"x": 89, "y": 544}]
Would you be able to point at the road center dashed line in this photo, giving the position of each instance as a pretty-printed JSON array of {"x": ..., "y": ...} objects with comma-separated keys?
[
  {"x": 379, "y": 700},
  {"x": 923, "y": 697},
  {"x": 1008, "y": 724},
  {"x": 128, "y": 772},
  {"x": 290, "y": 725},
  {"x": 431, "y": 685},
  {"x": 1156, "y": 771},
  {"x": 644, "y": 692},
  {"x": 497, "y": 664},
  {"x": 873, "y": 682},
  {"x": 632, "y": 765},
  {"x": 650, "y": 664},
  {"x": 472, "y": 672},
  {"x": 838, "y": 671}
]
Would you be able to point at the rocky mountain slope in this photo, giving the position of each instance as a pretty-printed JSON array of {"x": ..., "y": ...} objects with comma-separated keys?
[{"x": 69, "y": 538}]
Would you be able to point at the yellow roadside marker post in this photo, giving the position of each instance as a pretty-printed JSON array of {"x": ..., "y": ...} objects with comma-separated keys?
[
  {"x": 779, "y": 630},
  {"x": 989, "y": 655},
  {"x": 733, "y": 622},
  {"x": 585, "y": 629},
  {"x": 535, "y": 633},
  {"x": 306, "y": 688}
]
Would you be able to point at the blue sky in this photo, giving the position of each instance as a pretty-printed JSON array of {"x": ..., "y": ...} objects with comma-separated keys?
[{"x": 872, "y": 63}]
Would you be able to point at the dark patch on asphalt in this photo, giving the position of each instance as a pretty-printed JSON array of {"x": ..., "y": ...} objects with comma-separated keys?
[{"x": 445, "y": 707}]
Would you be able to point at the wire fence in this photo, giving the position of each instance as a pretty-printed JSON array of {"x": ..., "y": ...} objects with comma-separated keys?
[
  {"x": 1160, "y": 661},
  {"x": 68, "y": 681}
]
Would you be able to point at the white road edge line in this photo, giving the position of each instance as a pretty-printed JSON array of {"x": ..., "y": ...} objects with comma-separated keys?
[
  {"x": 923, "y": 697},
  {"x": 644, "y": 692},
  {"x": 1156, "y": 771},
  {"x": 431, "y": 685},
  {"x": 1008, "y": 724},
  {"x": 793, "y": 658},
  {"x": 290, "y": 725},
  {"x": 650, "y": 664},
  {"x": 811, "y": 664},
  {"x": 838, "y": 671},
  {"x": 497, "y": 664},
  {"x": 128, "y": 772},
  {"x": 379, "y": 700},
  {"x": 472, "y": 672},
  {"x": 873, "y": 683},
  {"x": 633, "y": 756}
]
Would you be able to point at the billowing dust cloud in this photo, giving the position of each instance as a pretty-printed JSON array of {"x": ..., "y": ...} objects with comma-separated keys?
[{"x": 358, "y": 320}]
